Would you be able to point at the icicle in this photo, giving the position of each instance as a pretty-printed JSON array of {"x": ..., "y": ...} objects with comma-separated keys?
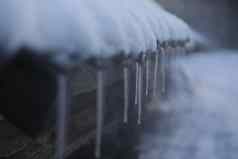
[
  {"x": 61, "y": 117},
  {"x": 126, "y": 93},
  {"x": 163, "y": 71},
  {"x": 137, "y": 78},
  {"x": 100, "y": 102},
  {"x": 140, "y": 74},
  {"x": 147, "y": 75},
  {"x": 155, "y": 80}
]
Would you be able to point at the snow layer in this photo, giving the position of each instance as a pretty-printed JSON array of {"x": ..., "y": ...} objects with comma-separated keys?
[{"x": 88, "y": 27}]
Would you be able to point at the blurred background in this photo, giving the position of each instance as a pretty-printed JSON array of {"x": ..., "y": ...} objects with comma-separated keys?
[{"x": 217, "y": 19}]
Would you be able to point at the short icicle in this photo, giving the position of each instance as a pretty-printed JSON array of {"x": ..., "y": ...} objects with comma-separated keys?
[
  {"x": 61, "y": 116},
  {"x": 126, "y": 93},
  {"x": 147, "y": 76},
  {"x": 100, "y": 102},
  {"x": 140, "y": 74},
  {"x": 155, "y": 77},
  {"x": 137, "y": 79},
  {"x": 163, "y": 71}
]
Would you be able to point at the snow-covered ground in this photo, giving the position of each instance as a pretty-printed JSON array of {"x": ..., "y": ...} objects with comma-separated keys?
[
  {"x": 88, "y": 27},
  {"x": 199, "y": 119}
]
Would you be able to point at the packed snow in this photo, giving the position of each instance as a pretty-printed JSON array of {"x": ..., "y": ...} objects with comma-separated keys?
[{"x": 88, "y": 27}]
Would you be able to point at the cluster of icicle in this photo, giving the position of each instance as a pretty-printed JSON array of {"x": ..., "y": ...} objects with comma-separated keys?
[
  {"x": 91, "y": 28},
  {"x": 88, "y": 27}
]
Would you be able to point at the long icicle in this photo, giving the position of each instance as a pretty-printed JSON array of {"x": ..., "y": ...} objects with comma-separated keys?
[
  {"x": 147, "y": 76},
  {"x": 155, "y": 80},
  {"x": 126, "y": 93},
  {"x": 139, "y": 95},
  {"x": 100, "y": 102},
  {"x": 163, "y": 71},
  {"x": 61, "y": 117},
  {"x": 137, "y": 77}
]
